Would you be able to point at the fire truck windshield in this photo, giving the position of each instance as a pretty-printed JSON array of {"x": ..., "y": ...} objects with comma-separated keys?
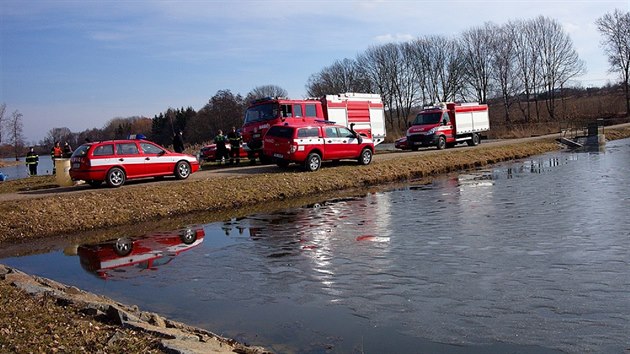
[
  {"x": 427, "y": 118},
  {"x": 261, "y": 113}
]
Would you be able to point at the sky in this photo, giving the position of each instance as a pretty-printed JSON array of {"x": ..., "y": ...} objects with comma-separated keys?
[{"x": 78, "y": 64}]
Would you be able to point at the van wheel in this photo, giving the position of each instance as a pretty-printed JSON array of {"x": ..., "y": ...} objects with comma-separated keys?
[
  {"x": 123, "y": 246},
  {"x": 182, "y": 170},
  {"x": 313, "y": 162},
  {"x": 115, "y": 177},
  {"x": 366, "y": 157},
  {"x": 441, "y": 144}
]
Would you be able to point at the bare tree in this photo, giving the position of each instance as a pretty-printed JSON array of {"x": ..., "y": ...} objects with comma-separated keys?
[
  {"x": 615, "y": 29},
  {"x": 377, "y": 66},
  {"x": 3, "y": 108},
  {"x": 503, "y": 63},
  {"x": 559, "y": 59},
  {"x": 342, "y": 76},
  {"x": 16, "y": 137},
  {"x": 477, "y": 46},
  {"x": 266, "y": 91}
]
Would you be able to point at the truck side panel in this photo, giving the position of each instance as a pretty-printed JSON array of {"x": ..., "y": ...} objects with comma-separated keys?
[
  {"x": 471, "y": 119},
  {"x": 364, "y": 110}
]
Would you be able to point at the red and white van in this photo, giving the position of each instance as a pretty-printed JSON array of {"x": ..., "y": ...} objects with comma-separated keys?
[
  {"x": 310, "y": 142},
  {"x": 115, "y": 161}
]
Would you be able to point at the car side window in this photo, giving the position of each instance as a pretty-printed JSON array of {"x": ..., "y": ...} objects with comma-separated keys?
[
  {"x": 103, "y": 150},
  {"x": 308, "y": 133},
  {"x": 127, "y": 149},
  {"x": 346, "y": 133},
  {"x": 150, "y": 149},
  {"x": 331, "y": 132}
]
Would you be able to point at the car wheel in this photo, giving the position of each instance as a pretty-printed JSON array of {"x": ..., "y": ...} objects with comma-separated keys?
[
  {"x": 123, "y": 246},
  {"x": 94, "y": 183},
  {"x": 182, "y": 170},
  {"x": 116, "y": 177},
  {"x": 189, "y": 236},
  {"x": 366, "y": 157},
  {"x": 313, "y": 162},
  {"x": 441, "y": 144}
]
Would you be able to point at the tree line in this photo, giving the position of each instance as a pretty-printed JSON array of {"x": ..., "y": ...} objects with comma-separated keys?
[{"x": 523, "y": 66}]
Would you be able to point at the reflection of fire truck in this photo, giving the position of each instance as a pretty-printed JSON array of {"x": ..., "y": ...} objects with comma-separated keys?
[
  {"x": 447, "y": 124},
  {"x": 364, "y": 110},
  {"x": 146, "y": 252}
]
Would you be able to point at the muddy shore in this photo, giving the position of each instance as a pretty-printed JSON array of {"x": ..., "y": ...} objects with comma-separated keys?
[{"x": 65, "y": 319}]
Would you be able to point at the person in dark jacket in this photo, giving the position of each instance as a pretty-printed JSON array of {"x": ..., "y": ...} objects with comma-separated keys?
[
  {"x": 67, "y": 150},
  {"x": 178, "y": 142},
  {"x": 32, "y": 160},
  {"x": 235, "y": 139},
  {"x": 221, "y": 152}
]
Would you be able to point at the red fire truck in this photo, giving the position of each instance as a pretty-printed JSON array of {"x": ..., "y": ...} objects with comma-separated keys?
[
  {"x": 363, "y": 109},
  {"x": 447, "y": 124}
]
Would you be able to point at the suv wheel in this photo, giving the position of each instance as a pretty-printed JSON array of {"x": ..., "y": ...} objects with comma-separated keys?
[
  {"x": 313, "y": 162},
  {"x": 182, "y": 170},
  {"x": 115, "y": 177},
  {"x": 366, "y": 157}
]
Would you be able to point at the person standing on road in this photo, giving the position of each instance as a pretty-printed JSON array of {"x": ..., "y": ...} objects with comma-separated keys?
[
  {"x": 67, "y": 150},
  {"x": 32, "y": 160},
  {"x": 178, "y": 142},
  {"x": 221, "y": 153},
  {"x": 55, "y": 153},
  {"x": 236, "y": 140}
]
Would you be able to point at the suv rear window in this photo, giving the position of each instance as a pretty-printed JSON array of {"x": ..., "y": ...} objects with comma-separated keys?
[{"x": 281, "y": 132}]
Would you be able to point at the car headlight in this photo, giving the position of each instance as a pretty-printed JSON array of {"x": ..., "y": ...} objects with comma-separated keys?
[{"x": 432, "y": 131}]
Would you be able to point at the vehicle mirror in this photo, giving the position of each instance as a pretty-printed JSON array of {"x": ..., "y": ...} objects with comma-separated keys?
[
  {"x": 161, "y": 153},
  {"x": 444, "y": 121},
  {"x": 359, "y": 139}
]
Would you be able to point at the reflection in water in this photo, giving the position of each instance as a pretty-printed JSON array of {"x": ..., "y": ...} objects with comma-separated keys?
[
  {"x": 127, "y": 257},
  {"x": 532, "y": 253}
]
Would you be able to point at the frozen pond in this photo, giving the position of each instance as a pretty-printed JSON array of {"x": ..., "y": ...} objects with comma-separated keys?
[{"x": 527, "y": 257}]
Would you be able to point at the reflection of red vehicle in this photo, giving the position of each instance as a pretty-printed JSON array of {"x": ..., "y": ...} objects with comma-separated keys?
[
  {"x": 209, "y": 152},
  {"x": 146, "y": 252}
]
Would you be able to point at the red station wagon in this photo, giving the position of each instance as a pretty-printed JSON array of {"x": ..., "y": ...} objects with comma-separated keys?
[
  {"x": 311, "y": 142},
  {"x": 116, "y": 161}
]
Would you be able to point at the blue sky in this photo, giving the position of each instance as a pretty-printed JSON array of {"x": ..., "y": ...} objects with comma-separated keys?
[{"x": 78, "y": 64}]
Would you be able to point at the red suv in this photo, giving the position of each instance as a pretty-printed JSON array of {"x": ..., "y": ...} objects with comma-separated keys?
[
  {"x": 311, "y": 142},
  {"x": 116, "y": 161}
]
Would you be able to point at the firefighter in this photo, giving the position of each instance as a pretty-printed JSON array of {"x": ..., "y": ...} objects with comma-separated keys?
[
  {"x": 67, "y": 150},
  {"x": 235, "y": 139},
  {"x": 221, "y": 152},
  {"x": 32, "y": 160},
  {"x": 55, "y": 153}
]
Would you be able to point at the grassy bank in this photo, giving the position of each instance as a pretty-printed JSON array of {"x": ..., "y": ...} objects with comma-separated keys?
[{"x": 69, "y": 213}]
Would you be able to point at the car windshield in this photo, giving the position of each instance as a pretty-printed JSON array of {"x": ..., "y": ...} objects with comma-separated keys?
[
  {"x": 427, "y": 118},
  {"x": 81, "y": 151},
  {"x": 262, "y": 112}
]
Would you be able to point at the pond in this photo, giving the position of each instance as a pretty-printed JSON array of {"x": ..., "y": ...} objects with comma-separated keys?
[{"x": 530, "y": 256}]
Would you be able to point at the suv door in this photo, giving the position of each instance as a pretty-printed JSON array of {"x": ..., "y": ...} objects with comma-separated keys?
[
  {"x": 129, "y": 156},
  {"x": 350, "y": 144},
  {"x": 333, "y": 143}
]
